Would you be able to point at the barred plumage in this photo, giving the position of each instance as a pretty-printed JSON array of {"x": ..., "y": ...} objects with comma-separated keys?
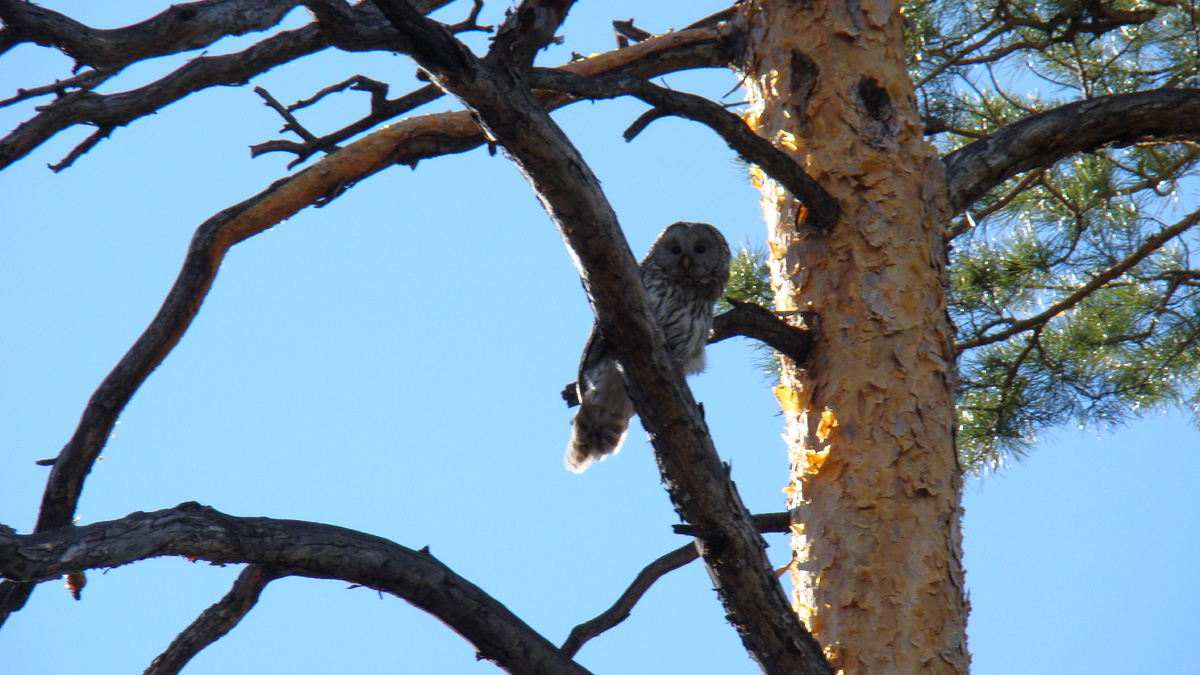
[{"x": 684, "y": 274}]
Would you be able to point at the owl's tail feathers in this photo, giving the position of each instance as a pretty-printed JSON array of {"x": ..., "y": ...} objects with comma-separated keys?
[{"x": 599, "y": 427}]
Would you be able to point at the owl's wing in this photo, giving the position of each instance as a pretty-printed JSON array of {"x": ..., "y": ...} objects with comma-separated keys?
[{"x": 596, "y": 355}]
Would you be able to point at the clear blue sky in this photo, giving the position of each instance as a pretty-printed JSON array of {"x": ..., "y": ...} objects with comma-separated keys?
[{"x": 392, "y": 362}]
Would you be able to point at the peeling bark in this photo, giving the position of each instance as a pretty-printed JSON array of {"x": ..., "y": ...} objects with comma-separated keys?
[{"x": 874, "y": 492}]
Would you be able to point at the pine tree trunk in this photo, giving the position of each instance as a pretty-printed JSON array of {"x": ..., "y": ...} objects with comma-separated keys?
[{"x": 875, "y": 485}]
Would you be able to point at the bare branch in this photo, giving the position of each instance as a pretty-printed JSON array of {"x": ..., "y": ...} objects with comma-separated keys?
[
  {"x": 216, "y": 621},
  {"x": 179, "y": 28},
  {"x": 79, "y": 150},
  {"x": 369, "y": 32},
  {"x": 765, "y": 522},
  {"x": 1100, "y": 280},
  {"x": 627, "y": 30},
  {"x": 822, "y": 208},
  {"x": 89, "y": 79},
  {"x": 291, "y": 123},
  {"x": 309, "y": 549},
  {"x": 750, "y": 320},
  {"x": 1041, "y": 140},
  {"x": 620, "y": 610},
  {"x": 382, "y": 109}
]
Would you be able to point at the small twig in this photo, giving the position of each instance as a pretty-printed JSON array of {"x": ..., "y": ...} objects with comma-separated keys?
[
  {"x": 627, "y": 30},
  {"x": 217, "y": 620},
  {"x": 469, "y": 24},
  {"x": 85, "y": 80},
  {"x": 100, "y": 134},
  {"x": 293, "y": 124},
  {"x": 765, "y": 522},
  {"x": 358, "y": 82}
]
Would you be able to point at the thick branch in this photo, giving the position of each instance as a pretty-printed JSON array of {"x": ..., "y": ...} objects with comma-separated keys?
[
  {"x": 179, "y": 28},
  {"x": 750, "y": 320},
  {"x": 1100, "y": 280},
  {"x": 701, "y": 491},
  {"x": 309, "y": 549},
  {"x": 823, "y": 209},
  {"x": 404, "y": 143},
  {"x": 1041, "y": 140}
]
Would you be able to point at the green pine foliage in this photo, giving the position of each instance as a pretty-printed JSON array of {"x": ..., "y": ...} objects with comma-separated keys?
[
  {"x": 750, "y": 281},
  {"x": 749, "y": 278},
  {"x": 1133, "y": 345}
]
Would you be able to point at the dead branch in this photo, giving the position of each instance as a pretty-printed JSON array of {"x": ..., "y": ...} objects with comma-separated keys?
[
  {"x": 307, "y": 549},
  {"x": 214, "y": 622},
  {"x": 822, "y": 209},
  {"x": 610, "y": 618},
  {"x": 1041, "y": 140},
  {"x": 750, "y": 320},
  {"x": 370, "y": 32},
  {"x": 382, "y": 109},
  {"x": 179, "y": 28}
]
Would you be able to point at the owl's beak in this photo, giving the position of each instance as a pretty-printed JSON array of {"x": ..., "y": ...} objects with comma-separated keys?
[{"x": 687, "y": 262}]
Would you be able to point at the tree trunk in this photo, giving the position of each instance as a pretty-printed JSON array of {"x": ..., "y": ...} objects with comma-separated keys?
[{"x": 875, "y": 485}]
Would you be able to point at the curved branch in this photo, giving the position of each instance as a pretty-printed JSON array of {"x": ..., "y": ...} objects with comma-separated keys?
[
  {"x": 406, "y": 142},
  {"x": 1043, "y": 139},
  {"x": 624, "y": 605},
  {"x": 308, "y": 549},
  {"x": 765, "y": 522},
  {"x": 214, "y": 622},
  {"x": 823, "y": 209},
  {"x": 1150, "y": 246},
  {"x": 179, "y": 28}
]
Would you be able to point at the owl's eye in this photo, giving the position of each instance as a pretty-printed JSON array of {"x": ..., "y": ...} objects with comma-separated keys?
[
  {"x": 700, "y": 248},
  {"x": 676, "y": 249}
]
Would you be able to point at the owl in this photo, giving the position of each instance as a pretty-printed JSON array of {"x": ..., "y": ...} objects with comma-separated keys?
[{"x": 684, "y": 274}]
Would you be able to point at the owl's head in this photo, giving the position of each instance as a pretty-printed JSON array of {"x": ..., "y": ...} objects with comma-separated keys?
[{"x": 694, "y": 251}]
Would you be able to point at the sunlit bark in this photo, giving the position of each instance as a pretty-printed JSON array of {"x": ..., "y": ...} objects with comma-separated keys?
[{"x": 874, "y": 490}]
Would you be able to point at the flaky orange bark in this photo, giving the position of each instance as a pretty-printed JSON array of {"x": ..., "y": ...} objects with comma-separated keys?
[{"x": 875, "y": 486}]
